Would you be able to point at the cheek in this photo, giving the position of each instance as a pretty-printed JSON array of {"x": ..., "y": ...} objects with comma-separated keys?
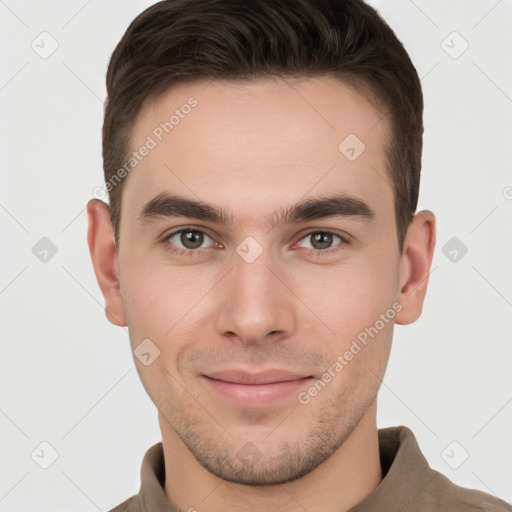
[
  {"x": 351, "y": 297},
  {"x": 162, "y": 305}
]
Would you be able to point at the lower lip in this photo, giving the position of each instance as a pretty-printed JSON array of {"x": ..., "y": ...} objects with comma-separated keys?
[{"x": 256, "y": 394}]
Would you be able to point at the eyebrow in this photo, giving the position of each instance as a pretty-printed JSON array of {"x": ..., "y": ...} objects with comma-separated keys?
[{"x": 167, "y": 205}]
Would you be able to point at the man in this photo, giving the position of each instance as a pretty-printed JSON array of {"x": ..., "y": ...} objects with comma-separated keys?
[{"x": 263, "y": 163}]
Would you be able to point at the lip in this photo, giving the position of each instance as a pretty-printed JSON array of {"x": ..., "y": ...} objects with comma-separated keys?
[
  {"x": 266, "y": 377},
  {"x": 255, "y": 389}
]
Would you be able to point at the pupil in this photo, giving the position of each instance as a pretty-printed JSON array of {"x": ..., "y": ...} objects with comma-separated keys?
[
  {"x": 191, "y": 237},
  {"x": 323, "y": 239}
]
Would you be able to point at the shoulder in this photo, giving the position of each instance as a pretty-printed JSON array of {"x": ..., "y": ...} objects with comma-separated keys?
[{"x": 442, "y": 494}]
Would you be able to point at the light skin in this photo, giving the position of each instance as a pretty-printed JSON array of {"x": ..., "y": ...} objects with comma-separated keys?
[{"x": 254, "y": 150}]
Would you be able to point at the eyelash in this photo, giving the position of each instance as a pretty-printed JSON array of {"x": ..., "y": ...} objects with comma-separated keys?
[{"x": 199, "y": 252}]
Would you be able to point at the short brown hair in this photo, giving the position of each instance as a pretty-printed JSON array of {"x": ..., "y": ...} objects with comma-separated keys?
[{"x": 176, "y": 41}]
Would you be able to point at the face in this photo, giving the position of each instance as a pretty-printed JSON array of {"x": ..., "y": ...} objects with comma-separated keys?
[{"x": 242, "y": 286}]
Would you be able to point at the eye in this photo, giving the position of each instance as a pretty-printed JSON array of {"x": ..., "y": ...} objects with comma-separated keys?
[
  {"x": 190, "y": 241},
  {"x": 321, "y": 242},
  {"x": 186, "y": 241}
]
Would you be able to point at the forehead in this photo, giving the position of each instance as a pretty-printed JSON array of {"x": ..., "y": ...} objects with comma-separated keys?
[{"x": 258, "y": 145}]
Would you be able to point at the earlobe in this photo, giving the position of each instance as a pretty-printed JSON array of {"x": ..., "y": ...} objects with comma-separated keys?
[
  {"x": 415, "y": 266},
  {"x": 105, "y": 260}
]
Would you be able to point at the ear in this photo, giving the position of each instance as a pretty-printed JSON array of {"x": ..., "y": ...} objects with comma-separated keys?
[
  {"x": 415, "y": 265},
  {"x": 100, "y": 237}
]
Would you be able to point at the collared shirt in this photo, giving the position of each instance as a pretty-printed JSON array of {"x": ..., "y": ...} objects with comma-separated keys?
[{"x": 409, "y": 484}]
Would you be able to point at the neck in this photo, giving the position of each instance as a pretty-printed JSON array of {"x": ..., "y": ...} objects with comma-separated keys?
[{"x": 339, "y": 483}]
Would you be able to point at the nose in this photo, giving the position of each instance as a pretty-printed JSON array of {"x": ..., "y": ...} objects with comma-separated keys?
[{"x": 256, "y": 302}]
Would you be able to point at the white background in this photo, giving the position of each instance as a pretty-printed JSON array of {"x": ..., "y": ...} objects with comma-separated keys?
[{"x": 67, "y": 375}]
